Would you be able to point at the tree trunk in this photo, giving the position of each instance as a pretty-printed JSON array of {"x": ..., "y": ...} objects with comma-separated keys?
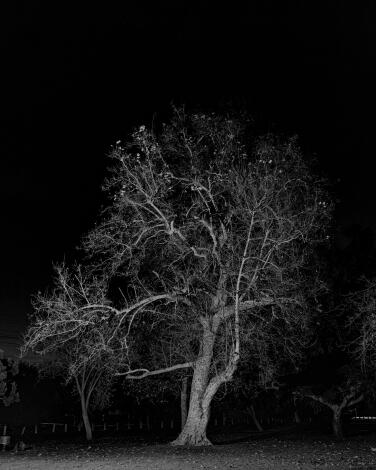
[
  {"x": 297, "y": 419},
  {"x": 203, "y": 390},
  {"x": 336, "y": 423},
  {"x": 86, "y": 420},
  {"x": 252, "y": 413},
  {"x": 194, "y": 430},
  {"x": 183, "y": 401}
]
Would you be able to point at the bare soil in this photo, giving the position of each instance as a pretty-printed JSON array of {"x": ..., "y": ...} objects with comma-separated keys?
[{"x": 289, "y": 452}]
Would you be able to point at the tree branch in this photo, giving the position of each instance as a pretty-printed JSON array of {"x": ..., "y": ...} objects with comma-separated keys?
[
  {"x": 317, "y": 398},
  {"x": 244, "y": 306},
  {"x": 146, "y": 373},
  {"x": 355, "y": 401}
]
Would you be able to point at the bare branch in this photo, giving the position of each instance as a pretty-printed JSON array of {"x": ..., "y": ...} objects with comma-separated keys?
[{"x": 146, "y": 373}]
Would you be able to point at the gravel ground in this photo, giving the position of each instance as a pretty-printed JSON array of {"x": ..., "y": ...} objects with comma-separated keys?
[{"x": 271, "y": 453}]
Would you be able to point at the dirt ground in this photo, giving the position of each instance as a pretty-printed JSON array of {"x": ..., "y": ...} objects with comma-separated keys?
[{"x": 271, "y": 453}]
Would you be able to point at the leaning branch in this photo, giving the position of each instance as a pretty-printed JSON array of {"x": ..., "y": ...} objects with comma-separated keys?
[
  {"x": 355, "y": 401},
  {"x": 229, "y": 311},
  {"x": 146, "y": 301},
  {"x": 142, "y": 373},
  {"x": 320, "y": 400},
  {"x": 135, "y": 308}
]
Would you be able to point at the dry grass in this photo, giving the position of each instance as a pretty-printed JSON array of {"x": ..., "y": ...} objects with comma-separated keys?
[{"x": 272, "y": 453}]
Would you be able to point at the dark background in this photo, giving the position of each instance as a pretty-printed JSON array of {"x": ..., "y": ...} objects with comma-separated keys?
[{"x": 75, "y": 78}]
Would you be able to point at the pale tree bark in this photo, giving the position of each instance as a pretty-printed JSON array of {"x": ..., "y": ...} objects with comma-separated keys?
[
  {"x": 194, "y": 429},
  {"x": 203, "y": 389}
]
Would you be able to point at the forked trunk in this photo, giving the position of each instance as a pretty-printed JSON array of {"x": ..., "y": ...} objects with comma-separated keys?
[
  {"x": 203, "y": 391},
  {"x": 194, "y": 429},
  {"x": 86, "y": 420}
]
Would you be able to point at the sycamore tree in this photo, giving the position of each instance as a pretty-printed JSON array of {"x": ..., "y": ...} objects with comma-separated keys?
[
  {"x": 58, "y": 331},
  {"x": 205, "y": 247},
  {"x": 211, "y": 231}
]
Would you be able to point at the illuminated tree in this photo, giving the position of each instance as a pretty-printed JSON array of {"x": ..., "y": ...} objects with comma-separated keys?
[{"x": 205, "y": 249}]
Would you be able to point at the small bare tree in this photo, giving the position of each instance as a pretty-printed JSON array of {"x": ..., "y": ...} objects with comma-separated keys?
[
  {"x": 208, "y": 234},
  {"x": 338, "y": 398},
  {"x": 57, "y": 330}
]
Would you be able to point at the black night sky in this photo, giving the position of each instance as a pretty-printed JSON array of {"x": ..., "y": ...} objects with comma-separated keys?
[{"x": 76, "y": 78}]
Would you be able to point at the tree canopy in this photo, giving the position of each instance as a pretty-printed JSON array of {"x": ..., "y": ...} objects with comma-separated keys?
[{"x": 203, "y": 255}]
